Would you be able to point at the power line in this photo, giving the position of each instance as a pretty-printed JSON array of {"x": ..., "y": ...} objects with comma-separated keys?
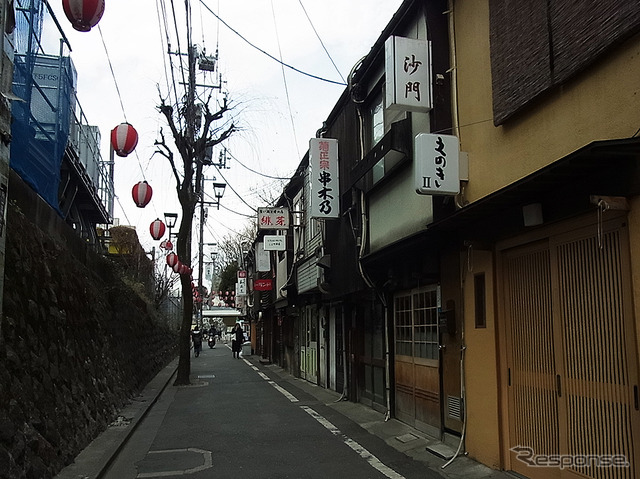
[
  {"x": 321, "y": 42},
  {"x": 284, "y": 80},
  {"x": 257, "y": 172},
  {"x": 268, "y": 54}
]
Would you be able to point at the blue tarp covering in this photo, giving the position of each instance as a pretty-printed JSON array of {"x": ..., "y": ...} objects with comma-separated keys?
[
  {"x": 41, "y": 119},
  {"x": 41, "y": 123}
]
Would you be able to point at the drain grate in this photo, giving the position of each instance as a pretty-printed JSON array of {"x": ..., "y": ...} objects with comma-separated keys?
[{"x": 207, "y": 376}]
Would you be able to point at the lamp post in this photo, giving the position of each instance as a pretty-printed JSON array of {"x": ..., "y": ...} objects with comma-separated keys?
[
  {"x": 170, "y": 220},
  {"x": 218, "y": 191}
]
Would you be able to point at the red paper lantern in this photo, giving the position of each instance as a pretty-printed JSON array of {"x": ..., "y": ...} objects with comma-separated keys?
[
  {"x": 157, "y": 229},
  {"x": 184, "y": 269},
  {"x": 141, "y": 193},
  {"x": 166, "y": 245},
  {"x": 176, "y": 267},
  {"x": 124, "y": 139},
  {"x": 172, "y": 259},
  {"x": 83, "y": 14}
]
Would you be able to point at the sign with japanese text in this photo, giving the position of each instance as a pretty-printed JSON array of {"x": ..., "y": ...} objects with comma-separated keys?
[
  {"x": 436, "y": 164},
  {"x": 323, "y": 171},
  {"x": 273, "y": 218},
  {"x": 262, "y": 285},
  {"x": 408, "y": 74},
  {"x": 241, "y": 287},
  {"x": 263, "y": 258},
  {"x": 275, "y": 242}
]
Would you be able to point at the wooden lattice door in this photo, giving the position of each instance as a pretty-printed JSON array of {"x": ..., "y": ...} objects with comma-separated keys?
[{"x": 571, "y": 356}]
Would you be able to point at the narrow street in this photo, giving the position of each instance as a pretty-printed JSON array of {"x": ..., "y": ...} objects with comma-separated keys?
[{"x": 239, "y": 419}]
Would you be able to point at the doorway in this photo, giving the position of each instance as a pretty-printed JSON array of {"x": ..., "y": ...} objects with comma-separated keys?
[{"x": 571, "y": 369}]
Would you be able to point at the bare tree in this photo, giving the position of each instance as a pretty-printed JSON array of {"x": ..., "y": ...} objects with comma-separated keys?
[{"x": 195, "y": 128}]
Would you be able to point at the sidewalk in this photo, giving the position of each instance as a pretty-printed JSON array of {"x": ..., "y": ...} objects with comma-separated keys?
[{"x": 101, "y": 454}]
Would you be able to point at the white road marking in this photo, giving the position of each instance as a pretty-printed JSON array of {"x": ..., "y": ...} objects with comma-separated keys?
[
  {"x": 284, "y": 392},
  {"x": 208, "y": 463},
  {"x": 361, "y": 451}
]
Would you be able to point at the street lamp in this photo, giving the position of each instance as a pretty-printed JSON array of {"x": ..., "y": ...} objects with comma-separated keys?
[
  {"x": 170, "y": 219},
  {"x": 218, "y": 191}
]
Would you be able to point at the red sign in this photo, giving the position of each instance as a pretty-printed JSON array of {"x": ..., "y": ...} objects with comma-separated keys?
[{"x": 262, "y": 285}]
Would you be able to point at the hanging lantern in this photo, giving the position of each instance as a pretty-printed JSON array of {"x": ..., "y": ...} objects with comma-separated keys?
[
  {"x": 166, "y": 245},
  {"x": 157, "y": 229},
  {"x": 124, "y": 139},
  {"x": 176, "y": 267},
  {"x": 83, "y": 14},
  {"x": 141, "y": 193},
  {"x": 172, "y": 259},
  {"x": 184, "y": 269}
]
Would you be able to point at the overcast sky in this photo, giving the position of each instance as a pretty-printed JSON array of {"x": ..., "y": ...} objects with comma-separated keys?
[{"x": 277, "y": 111}]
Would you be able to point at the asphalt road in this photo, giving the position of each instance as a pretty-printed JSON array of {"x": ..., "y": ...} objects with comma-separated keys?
[{"x": 240, "y": 420}]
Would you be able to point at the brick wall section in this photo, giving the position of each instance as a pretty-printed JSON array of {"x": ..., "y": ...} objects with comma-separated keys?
[{"x": 75, "y": 345}]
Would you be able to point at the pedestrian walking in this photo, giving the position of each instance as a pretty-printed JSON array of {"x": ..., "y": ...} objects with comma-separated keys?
[
  {"x": 196, "y": 337},
  {"x": 237, "y": 338}
]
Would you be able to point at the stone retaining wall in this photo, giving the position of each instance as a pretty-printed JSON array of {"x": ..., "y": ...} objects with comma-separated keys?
[{"x": 75, "y": 345}]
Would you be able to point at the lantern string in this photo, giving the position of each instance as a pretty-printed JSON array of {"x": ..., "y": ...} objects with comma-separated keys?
[
  {"x": 115, "y": 82},
  {"x": 113, "y": 75}
]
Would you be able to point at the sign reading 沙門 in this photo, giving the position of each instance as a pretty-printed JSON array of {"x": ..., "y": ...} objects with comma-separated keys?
[
  {"x": 273, "y": 218},
  {"x": 323, "y": 178},
  {"x": 436, "y": 164},
  {"x": 408, "y": 74},
  {"x": 275, "y": 242}
]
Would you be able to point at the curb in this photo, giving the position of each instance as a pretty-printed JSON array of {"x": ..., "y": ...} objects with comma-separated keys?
[{"x": 94, "y": 461}]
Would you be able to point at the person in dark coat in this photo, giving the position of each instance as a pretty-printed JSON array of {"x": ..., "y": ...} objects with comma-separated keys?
[
  {"x": 237, "y": 338},
  {"x": 196, "y": 337}
]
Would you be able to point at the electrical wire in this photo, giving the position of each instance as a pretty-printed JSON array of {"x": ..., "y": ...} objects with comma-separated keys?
[
  {"x": 264, "y": 175},
  {"x": 321, "y": 42},
  {"x": 268, "y": 54},
  {"x": 284, "y": 80}
]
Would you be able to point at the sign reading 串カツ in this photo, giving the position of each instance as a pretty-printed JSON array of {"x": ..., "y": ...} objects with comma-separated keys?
[
  {"x": 323, "y": 177},
  {"x": 436, "y": 164}
]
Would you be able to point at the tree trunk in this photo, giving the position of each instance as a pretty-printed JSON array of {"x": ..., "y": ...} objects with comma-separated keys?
[{"x": 184, "y": 251}]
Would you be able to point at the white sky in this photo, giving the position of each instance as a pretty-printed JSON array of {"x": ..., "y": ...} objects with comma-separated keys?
[{"x": 255, "y": 83}]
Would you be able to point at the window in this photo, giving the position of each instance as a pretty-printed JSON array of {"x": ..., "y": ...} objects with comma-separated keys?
[
  {"x": 376, "y": 112},
  {"x": 416, "y": 323}
]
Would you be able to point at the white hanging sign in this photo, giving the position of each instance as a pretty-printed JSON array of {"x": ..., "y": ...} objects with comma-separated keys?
[
  {"x": 436, "y": 164},
  {"x": 273, "y": 218},
  {"x": 408, "y": 74},
  {"x": 275, "y": 242},
  {"x": 263, "y": 258},
  {"x": 325, "y": 187}
]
